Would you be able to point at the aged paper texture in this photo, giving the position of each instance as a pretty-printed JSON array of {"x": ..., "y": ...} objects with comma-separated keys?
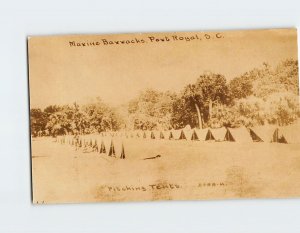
[{"x": 164, "y": 116}]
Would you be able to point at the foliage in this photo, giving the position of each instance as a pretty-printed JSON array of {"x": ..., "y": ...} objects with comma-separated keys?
[
  {"x": 209, "y": 89},
  {"x": 283, "y": 108},
  {"x": 60, "y": 120},
  {"x": 151, "y": 110},
  {"x": 240, "y": 87},
  {"x": 267, "y": 80},
  {"x": 38, "y": 121},
  {"x": 183, "y": 113},
  {"x": 266, "y": 95},
  {"x": 280, "y": 108},
  {"x": 100, "y": 117}
]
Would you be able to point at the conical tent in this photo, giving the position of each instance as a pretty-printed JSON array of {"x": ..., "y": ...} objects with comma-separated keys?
[
  {"x": 241, "y": 134},
  {"x": 152, "y": 135},
  {"x": 182, "y": 135},
  {"x": 178, "y": 134},
  {"x": 187, "y": 133},
  {"x": 175, "y": 134},
  {"x": 148, "y": 134},
  {"x": 228, "y": 136},
  {"x": 161, "y": 135},
  {"x": 277, "y": 138},
  {"x": 194, "y": 136},
  {"x": 219, "y": 134},
  {"x": 263, "y": 133},
  {"x": 102, "y": 148},
  {"x": 209, "y": 136},
  {"x": 137, "y": 134},
  {"x": 254, "y": 136},
  {"x": 200, "y": 134},
  {"x": 155, "y": 134},
  {"x": 122, "y": 152},
  {"x": 171, "y": 136},
  {"x": 290, "y": 133},
  {"x": 144, "y": 135},
  {"x": 95, "y": 146},
  {"x": 112, "y": 151}
]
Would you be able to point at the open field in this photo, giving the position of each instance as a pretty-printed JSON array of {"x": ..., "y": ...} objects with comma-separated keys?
[{"x": 185, "y": 170}]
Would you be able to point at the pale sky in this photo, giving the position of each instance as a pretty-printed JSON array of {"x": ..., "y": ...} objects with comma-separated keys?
[{"x": 62, "y": 74}]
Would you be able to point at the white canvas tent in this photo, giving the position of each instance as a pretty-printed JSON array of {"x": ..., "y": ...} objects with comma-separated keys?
[
  {"x": 203, "y": 134},
  {"x": 163, "y": 134},
  {"x": 178, "y": 134},
  {"x": 157, "y": 134},
  {"x": 194, "y": 136},
  {"x": 219, "y": 134},
  {"x": 171, "y": 135},
  {"x": 144, "y": 134},
  {"x": 138, "y": 134},
  {"x": 241, "y": 134},
  {"x": 188, "y": 133},
  {"x": 263, "y": 133},
  {"x": 289, "y": 134},
  {"x": 154, "y": 134}
]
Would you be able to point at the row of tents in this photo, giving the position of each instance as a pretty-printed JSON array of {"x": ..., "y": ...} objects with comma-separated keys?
[
  {"x": 112, "y": 143},
  {"x": 287, "y": 134},
  {"x": 104, "y": 146}
]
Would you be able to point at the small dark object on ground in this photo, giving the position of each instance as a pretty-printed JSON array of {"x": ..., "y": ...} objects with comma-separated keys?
[{"x": 154, "y": 157}]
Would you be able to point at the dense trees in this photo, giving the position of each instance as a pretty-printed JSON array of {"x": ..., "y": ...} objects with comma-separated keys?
[
  {"x": 265, "y": 81},
  {"x": 90, "y": 118},
  {"x": 38, "y": 121},
  {"x": 100, "y": 117},
  {"x": 208, "y": 90},
  {"x": 260, "y": 96},
  {"x": 151, "y": 110},
  {"x": 266, "y": 95}
]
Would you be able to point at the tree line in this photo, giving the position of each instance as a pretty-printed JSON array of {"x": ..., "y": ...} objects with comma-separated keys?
[{"x": 265, "y": 95}]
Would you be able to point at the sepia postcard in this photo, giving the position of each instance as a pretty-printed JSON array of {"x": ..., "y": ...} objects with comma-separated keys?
[{"x": 164, "y": 116}]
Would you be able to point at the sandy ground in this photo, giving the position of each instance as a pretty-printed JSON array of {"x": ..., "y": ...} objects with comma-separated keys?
[{"x": 186, "y": 170}]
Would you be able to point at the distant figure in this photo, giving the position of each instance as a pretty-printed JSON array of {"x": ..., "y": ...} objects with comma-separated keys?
[{"x": 154, "y": 157}]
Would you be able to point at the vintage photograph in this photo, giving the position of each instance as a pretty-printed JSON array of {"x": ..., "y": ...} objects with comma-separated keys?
[{"x": 164, "y": 116}]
